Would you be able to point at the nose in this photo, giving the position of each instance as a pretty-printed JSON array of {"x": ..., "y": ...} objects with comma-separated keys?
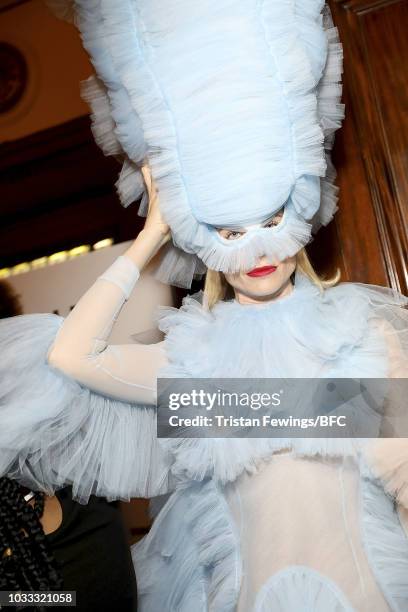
[{"x": 264, "y": 261}]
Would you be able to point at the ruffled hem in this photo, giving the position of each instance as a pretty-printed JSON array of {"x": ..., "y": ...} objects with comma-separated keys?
[
  {"x": 56, "y": 432},
  {"x": 335, "y": 332},
  {"x": 330, "y": 334},
  {"x": 300, "y": 588},
  {"x": 190, "y": 559},
  {"x": 178, "y": 267},
  {"x": 225, "y": 460},
  {"x": 385, "y": 542}
]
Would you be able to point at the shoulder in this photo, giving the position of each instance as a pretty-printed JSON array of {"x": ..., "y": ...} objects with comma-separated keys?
[
  {"x": 383, "y": 318},
  {"x": 374, "y": 295},
  {"x": 381, "y": 306}
]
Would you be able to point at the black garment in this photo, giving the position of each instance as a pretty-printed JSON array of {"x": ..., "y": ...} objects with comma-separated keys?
[{"x": 92, "y": 549}]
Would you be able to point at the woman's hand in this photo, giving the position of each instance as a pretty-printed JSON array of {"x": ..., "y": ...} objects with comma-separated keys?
[{"x": 155, "y": 232}]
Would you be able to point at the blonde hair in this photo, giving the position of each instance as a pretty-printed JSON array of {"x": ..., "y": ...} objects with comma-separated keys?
[{"x": 217, "y": 288}]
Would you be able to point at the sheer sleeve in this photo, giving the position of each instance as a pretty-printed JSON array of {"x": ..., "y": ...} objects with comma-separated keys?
[
  {"x": 128, "y": 371},
  {"x": 388, "y": 455},
  {"x": 77, "y": 410}
]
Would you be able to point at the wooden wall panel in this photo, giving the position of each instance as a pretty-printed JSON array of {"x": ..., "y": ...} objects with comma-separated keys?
[
  {"x": 58, "y": 191},
  {"x": 372, "y": 149}
]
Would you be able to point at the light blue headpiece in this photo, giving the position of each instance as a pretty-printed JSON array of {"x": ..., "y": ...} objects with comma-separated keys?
[{"x": 233, "y": 103}]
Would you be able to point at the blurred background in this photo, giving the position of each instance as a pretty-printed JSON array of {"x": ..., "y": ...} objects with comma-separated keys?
[{"x": 61, "y": 223}]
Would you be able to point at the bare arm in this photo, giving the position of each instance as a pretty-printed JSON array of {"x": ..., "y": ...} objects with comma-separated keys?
[{"x": 129, "y": 371}]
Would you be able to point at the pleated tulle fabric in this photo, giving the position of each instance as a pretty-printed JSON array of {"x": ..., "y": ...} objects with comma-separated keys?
[
  {"x": 234, "y": 105},
  {"x": 327, "y": 505},
  {"x": 300, "y": 588},
  {"x": 190, "y": 559},
  {"x": 348, "y": 331},
  {"x": 54, "y": 432},
  {"x": 386, "y": 542}
]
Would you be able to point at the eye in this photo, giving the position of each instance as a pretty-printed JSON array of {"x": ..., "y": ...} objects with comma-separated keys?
[
  {"x": 276, "y": 219},
  {"x": 230, "y": 234}
]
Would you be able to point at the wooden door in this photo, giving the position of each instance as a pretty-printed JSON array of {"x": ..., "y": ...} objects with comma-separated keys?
[{"x": 369, "y": 239}]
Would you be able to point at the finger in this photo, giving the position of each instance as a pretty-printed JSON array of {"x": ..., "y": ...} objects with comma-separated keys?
[
  {"x": 147, "y": 177},
  {"x": 153, "y": 186}
]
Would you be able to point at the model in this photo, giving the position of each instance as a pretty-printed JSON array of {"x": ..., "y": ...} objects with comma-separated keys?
[{"x": 267, "y": 524}]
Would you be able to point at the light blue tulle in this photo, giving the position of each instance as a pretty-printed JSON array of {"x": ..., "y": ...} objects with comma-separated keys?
[
  {"x": 308, "y": 334},
  {"x": 55, "y": 432},
  {"x": 233, "y": 104},
  {"x": 299, "y": 588},
  {"x": 385, "y": 541},
  {"x": 200, "y": 563}
]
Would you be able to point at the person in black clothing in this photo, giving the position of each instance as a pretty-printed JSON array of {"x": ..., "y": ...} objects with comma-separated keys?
[{"x": 26, "y": 561}]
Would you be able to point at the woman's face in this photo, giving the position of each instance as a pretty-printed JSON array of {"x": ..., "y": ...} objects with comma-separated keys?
[{"x": 270, "y": 279}]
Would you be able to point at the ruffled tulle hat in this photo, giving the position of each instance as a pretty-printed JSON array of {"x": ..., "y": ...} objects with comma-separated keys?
[{"x": 233, "y": 104}]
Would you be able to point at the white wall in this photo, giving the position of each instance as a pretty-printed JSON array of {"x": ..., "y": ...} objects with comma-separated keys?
[{"x": 59, "y": 286}]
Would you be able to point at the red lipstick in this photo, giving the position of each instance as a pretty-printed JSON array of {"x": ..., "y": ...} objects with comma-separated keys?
[{"x": 263, "y": 271}]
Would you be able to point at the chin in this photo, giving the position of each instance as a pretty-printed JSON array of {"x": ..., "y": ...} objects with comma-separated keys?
[
  {"x": 261, "y": 293},
  {"x": 261, "y": 287}
]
